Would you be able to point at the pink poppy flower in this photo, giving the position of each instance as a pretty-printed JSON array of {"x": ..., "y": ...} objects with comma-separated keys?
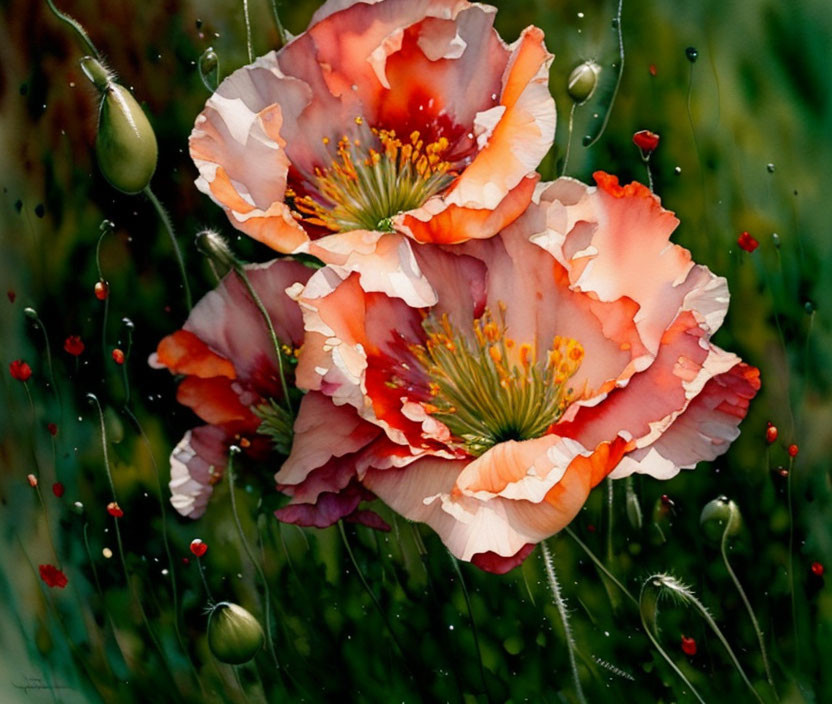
[
  {"x": 411, "y": 115},
  {"x": 231, "y": 378},
  {"x": 485, "y": 388}
]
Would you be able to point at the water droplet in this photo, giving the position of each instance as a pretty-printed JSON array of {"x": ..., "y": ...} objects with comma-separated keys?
[
  {"x": 692, "y": 53},
  {"x": 770, "y": 168},
  {"x": 586, "y": 140},
  {"x": 677, "y": 170}
]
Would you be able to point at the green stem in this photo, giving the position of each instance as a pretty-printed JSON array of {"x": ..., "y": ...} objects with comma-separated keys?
[
  {"x": 232, "y": 452},
  {"x": 248, "y": 31},
  {"x": 165, "y": 218},
  {"x": 564, "y": 617},
  {"x": 600, "y": 565},
  {"x": 568, "y": 139},
  {"x": 76, "y": 25},
  {"x": 617, "y": 80},
  {"x": 455, "y": 563},
  {"x": 281, "y": 30},
  {"x": 747, "y": 608}
]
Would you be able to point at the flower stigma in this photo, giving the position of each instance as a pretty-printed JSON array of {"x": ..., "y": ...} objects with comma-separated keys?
[
  {"x": 364, "y": 188},
  {"x": 487, "y": 389}
]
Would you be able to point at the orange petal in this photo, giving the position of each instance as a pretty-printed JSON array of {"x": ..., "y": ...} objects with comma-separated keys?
[{"x": 184, "y": 353}]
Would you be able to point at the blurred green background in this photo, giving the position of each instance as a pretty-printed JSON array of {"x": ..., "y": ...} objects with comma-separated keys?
[{"x": 745, "y": 145}]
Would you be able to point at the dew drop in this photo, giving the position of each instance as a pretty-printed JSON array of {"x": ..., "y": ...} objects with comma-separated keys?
[
  {"x": 586, "y": 140},
  {"x": 692, "y": 53},
  {"x": 770, "y": 168},
  {"x": 677, "y": 170}
]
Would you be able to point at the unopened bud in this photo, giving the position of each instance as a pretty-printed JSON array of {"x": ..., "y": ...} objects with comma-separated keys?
[
  {"x": 209, "y": 68},
  {"x": 214, "y": 246},
  {"x": 126, "y": 144},
  {"x": 583, "y": 81},
  {"x": 234, "y": 635},
  {"x": 720, "y": 516}
]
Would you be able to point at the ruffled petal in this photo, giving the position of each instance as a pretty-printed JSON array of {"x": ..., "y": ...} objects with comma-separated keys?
[
  {"x": 196, "y": 464},
  {"x": 184, "y": 353}
]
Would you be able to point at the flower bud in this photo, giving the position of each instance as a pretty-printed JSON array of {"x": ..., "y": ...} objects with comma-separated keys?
[
  {"x": 720, "y": 516},
  {"x": 209, "y": 68},
  {"x": 234, "y": 635},
  {"x": 99, "y": 76},
  {"x": 126, "y": 144},
  {"x": 214, "y": 246},
  {"x": 583, "y": 81}
]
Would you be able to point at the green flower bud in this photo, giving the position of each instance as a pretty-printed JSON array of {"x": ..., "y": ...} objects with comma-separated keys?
[
  {"x": 214, "y": 246},
  {"x": 126, "y": 145},
  {"x": 583, "y": 81},
  {"x": 99, "y": 76},
  {"x": 234, "y": 635},
  {"x": 720, "y": 516}
]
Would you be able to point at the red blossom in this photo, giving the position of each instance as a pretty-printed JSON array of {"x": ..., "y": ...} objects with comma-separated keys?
[
  {"x": 20, "y": 370},
  {"x": 747, "y": 242},
  {"x": 653, "y": 70},
  {"x": 198, "y": 548},
  {"x": 793, "y": 450},
  {"x": 102, "y": 290},
  {"x": 58, "y": 489},
  {"x": 771, "y": 433},
  {"x": 817, "y": 569},
  {"x": 646, "y": 140},
  {"x": 52, "y": 576},
  {"x": 52, "y": 428},
  {"x": 114, "y": 510},
  {"x": 118, "y": 356},
  {"x": 74, "y": 345},
  {"x": 688, "y": 646}
]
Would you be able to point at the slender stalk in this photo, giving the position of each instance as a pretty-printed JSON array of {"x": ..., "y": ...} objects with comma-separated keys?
[
  {"x": 568, "y": 139},
  {"x": 564, "y": 617},
  {"x": 239, "y": 269},
  {"x": 248, "y": 31},
  {"x": 617, "y": 80},
  {"x": 32, "y": 314},
  {"x": 281, "y": 30},
  {"x": 600, "y": 565},
  {"x": 232, "y": 452},
  {"x": 76, "y": 25},
  {"x": 165, "y": 218},
  {"x": 211, "y": 600},
  {"x": 791, "y": 565},
  {"x": 473, "y": 624},
  {"x": 610, "y": 501},
  {"x": 748, "y": 608},
  {"x": 646, "y": 161}
]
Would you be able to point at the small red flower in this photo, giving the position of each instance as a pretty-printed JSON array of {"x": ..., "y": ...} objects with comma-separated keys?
[
  {"x": 198, "y": 548},
  {"x": 646, "y": 140},
  {"x": 52, "y": 428},
  {"x": 74, "y": 345},
  {"x": 817, "y": 569},
  {"x": 52, "y": 576},
  {"x": 186, "y": 561},
  {"x": 688, "y": 646},
  {"x": 771, "y": 433},
  {"x": 114, "y": 510},
  {"x": 102, "y": 290},
  {"x": 58, "y": 489},
  {"x": 11, "y": 294},
  {"x": 20, "y": 370},
  {"x": 118, "y": 356},
  {"x": 747, "y": 242},
  {"x": 32, "y": 479},
  {"x": 653, "y": 70},
  {"x": 793, "y": 450}
]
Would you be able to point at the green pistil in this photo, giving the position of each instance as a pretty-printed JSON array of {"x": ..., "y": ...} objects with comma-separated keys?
[{"x": 276, "y": 423}]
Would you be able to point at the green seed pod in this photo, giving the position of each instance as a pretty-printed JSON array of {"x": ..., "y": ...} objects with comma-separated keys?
[
  {"x": 126, "y": 144},
  {"x": 234, "y": 635},
  {"x": 720, "y": 516},
  {"x": 583, "y": 81},
  {"x": 214, "y": 246}
]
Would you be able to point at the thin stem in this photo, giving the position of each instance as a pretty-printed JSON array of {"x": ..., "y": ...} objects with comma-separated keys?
[
  {"x": 600, "y": 565},
  {"x": 248, "y": 31},
  {"x": 267, "y": 599},
  {"x": 32, "y": 314},
  {"x": 473, "y": 624},
  {"x": 618, "y": 79},
  {"x": 610, "y": 500},
  {"x": 791, "y": 565},
  {"x": 76, "y": 25},
  {"x": 568, "y": 139},
  {"x": 241, "y": 272},
  {"x": 211, "y": 600},
  {"x": 165, "y": 218},
  {"x": 646, "y": 161},
  {"x": 747, "y": 608},
  {"x": 564, "y": 617},
  {"x": 281, "y": 30}
]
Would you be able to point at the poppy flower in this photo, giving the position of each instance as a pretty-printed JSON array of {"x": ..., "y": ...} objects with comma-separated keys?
[
  {"x": 20, "y": 370},
  {"x": 747, "y": 242},
  {"x": 646, "y": 140},
  {"x": 411, "y": 115},
  {"x": 74, "y": 345},
  {"x": 485, "y": 388},
  {"x": 52, "y": 576}
]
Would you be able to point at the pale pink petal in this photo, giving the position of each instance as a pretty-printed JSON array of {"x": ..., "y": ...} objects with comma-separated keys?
[{"x": 196, "y": 464}]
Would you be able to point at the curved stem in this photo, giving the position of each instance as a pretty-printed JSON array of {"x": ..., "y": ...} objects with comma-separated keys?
[
  {"x": 564, "y": 617},
  {"x": 165, "y": 218},
  {"x": 473, "y": 624},
  {"x": 618, "y": 79},
  {"x": 568, "y": 139},
  {"x": 281, "y": 30},
  {"x": 248, "y": 31},
  {"x": 600, "y": 565},
  {"x": 239, "y": 269},
  {"x": 254, "y": 561},
  {"x": 747, "y": 608},
  {"x": 76, "y": 25}
]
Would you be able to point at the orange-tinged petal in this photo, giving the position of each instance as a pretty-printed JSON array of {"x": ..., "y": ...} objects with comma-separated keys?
[
  {"x": 215, "y": 401},
  {"x": 184, "y": 353}
]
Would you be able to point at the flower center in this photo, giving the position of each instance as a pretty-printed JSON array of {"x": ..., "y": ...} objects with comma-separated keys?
[
  {"x": 276, "y": 423},
  {"x": 487, "y": 389},
  {"x": 365, "y": 187}
]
